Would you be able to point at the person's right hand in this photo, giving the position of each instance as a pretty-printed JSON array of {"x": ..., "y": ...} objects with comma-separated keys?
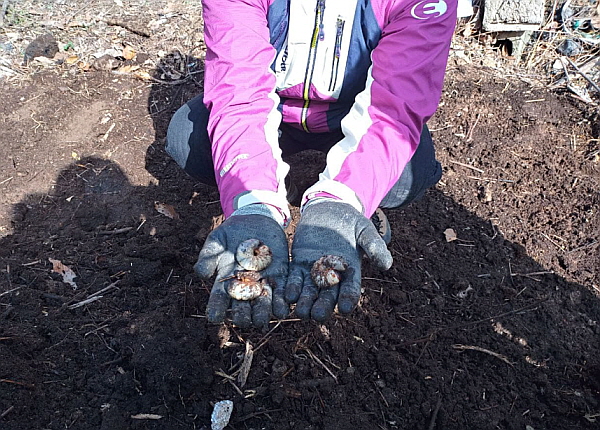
[{"x": 218, "y": 255}]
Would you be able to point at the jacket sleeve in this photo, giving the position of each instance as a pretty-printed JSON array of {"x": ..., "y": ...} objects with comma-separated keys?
[
  {"x": 403, "y": 88},
  {"x": 239, "y": 92}
]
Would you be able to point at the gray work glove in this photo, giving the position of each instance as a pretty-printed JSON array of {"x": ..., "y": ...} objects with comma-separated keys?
[
  {"x": 329, "y": 227},
  {"x": 218, "y": 255}
]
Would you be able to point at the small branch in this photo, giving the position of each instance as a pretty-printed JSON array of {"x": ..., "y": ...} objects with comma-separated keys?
[
  {"x": 315, "y": 358},
  {"x": 585, "y": 76},
  {"x": 435, "y": 414},
  {"x": 470, "y": 133},
  {"x": 246, "y": 365},
  {"x": 9, "y": 410},
  {"x": 485, "y": 351},
  {"x": 468, "y": 166},
  {"x": 23, "y": 384},
  {"x": 127, "y": 27},
  {"x": 533, "y": 273},
  {"x": 2, "y": 13},
  {"x": 10, "y": 291},
  {"x": 84, "y": 302}
]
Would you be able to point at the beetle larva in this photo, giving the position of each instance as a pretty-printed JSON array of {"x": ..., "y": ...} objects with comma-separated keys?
[
  {"x": 326, "y": 271},
  {"x": 252, "y": 254}
]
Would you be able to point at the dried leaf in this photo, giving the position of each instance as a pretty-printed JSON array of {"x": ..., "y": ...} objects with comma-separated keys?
[
  {"x": 246, "y": 365},
  {"x": 66, "y": 272},
  {"x": 129, "y": 53},
  {"x": 126, "y": 69},
  {"x": 72, "y": 59},
  {"x": 75, "y": 156},
  {"x": 166, "y": 210},
  {"x": 450, "y": 235},
  {"x": 141, "y": 74}
]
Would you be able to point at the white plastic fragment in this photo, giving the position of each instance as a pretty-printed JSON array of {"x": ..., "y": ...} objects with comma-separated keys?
[{"x": 221, "y": 414}]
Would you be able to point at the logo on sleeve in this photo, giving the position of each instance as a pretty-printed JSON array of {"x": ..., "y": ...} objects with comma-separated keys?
[{"x": 429, "y": 9}]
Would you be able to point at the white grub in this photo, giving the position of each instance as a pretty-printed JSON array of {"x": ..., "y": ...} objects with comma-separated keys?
[
  {"x": 252, "y": 254},
  {"x": 326, "y": 272},
  {"x": 247, "y": 285}
]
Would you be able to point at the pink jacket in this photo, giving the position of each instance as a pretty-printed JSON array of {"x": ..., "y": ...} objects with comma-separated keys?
[{"x": 373, "y": 68}]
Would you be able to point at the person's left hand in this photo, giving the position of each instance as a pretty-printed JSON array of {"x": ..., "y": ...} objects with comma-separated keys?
[{"x": 331, "y": 228}]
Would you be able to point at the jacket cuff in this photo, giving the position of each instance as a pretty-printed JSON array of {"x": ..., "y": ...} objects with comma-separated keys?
[
  {"x": 266, "y": 203},
  {"x": 331, "y": 190}
]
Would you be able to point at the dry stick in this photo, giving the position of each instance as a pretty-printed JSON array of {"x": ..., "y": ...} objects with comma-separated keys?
[
  {"x": 581, "y": 248},
  {"x": 6, "y": 412},
  {"x": 314, "y": 357},
  {"x": 10, "y": 291},
  {"x": 553, "y": 242},
  {"x": 470, "y": 133},
  {"x": 467, "y": 166},
  {"x": 127, "y": 27},
  {"x": 435, "y": 414},
  {"x": 117, "y": 231},
  {"x": 23, "y": 384},
  {"x": 255, "y": 414},
  {"x": 246, "y": 364},
  {"x": 550, "y": 272},
  {"x": 582, "y": 73},
  {"x": 486, "y": 351},
  {"x": 3, "y": 12},
  {"x": 84, "y": 302}
]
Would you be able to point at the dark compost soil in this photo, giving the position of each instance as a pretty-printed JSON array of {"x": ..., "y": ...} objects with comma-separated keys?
[{"x": 497, "y": 329}]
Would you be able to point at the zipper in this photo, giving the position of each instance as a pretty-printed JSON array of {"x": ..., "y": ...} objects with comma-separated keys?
[
  {"x": 318, "y": 34},
  {"x": 335, "y": 64}
]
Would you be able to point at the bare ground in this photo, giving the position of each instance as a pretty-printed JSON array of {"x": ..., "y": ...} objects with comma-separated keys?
[{"x": 497, "y": 329}]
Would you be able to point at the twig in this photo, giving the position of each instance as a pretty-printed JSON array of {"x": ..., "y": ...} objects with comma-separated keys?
[
  {"x": 126, "y": 27},
  {"x": 553, "y": 242},
  {"x": 470, "y": 133},
  {"x": 9, "y": 291},
  {"x": 146, "y": 417},
  {"x": 266, "y": 338},
  {"x": 23, "y": 384},
  {"x": 467, "y": 166},
  {"x": 510, "y": 181},
  {"x": 117, "y": 231},
  {"x": 6, "y": 180},
  {"x": 581, "y": 248},
  {"x": 485, "y": 351},
  {"x": 255, "y": 414},
  {"x": 435, "y": 414},
  {"x": 314, "y": 357},
  {"x": 246, "y": 364},
  {"x": 105, "y": 289},
  {"x": 582, "y": 73},
  {"x": 2, "y": 13},
  {"x": 8, "y": 411},
  {"x": 533, "y": 273},
  {"x": 84, "y": 302}
]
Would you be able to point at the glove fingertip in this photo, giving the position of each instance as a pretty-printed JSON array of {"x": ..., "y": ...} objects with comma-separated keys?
[
  {"x": 281, "y": 309},
  {"x": 347, "y": 305},
  {"x": 385, "y": 260},
  {"x": 204, "y": 268},
  {"x": 293, "y": 287}
]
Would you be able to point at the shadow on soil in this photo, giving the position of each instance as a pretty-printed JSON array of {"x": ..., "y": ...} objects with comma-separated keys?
[{"x": 473, "y": 325}]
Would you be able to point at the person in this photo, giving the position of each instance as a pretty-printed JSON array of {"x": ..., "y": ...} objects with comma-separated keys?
[{"x": 356, "y": 79}]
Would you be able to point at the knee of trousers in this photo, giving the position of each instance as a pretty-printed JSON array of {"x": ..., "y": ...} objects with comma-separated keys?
[
  {"x": 423, "y": 171},
  {"x": 178, "y": 136},
  {"x": 188, "y": 142}
]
